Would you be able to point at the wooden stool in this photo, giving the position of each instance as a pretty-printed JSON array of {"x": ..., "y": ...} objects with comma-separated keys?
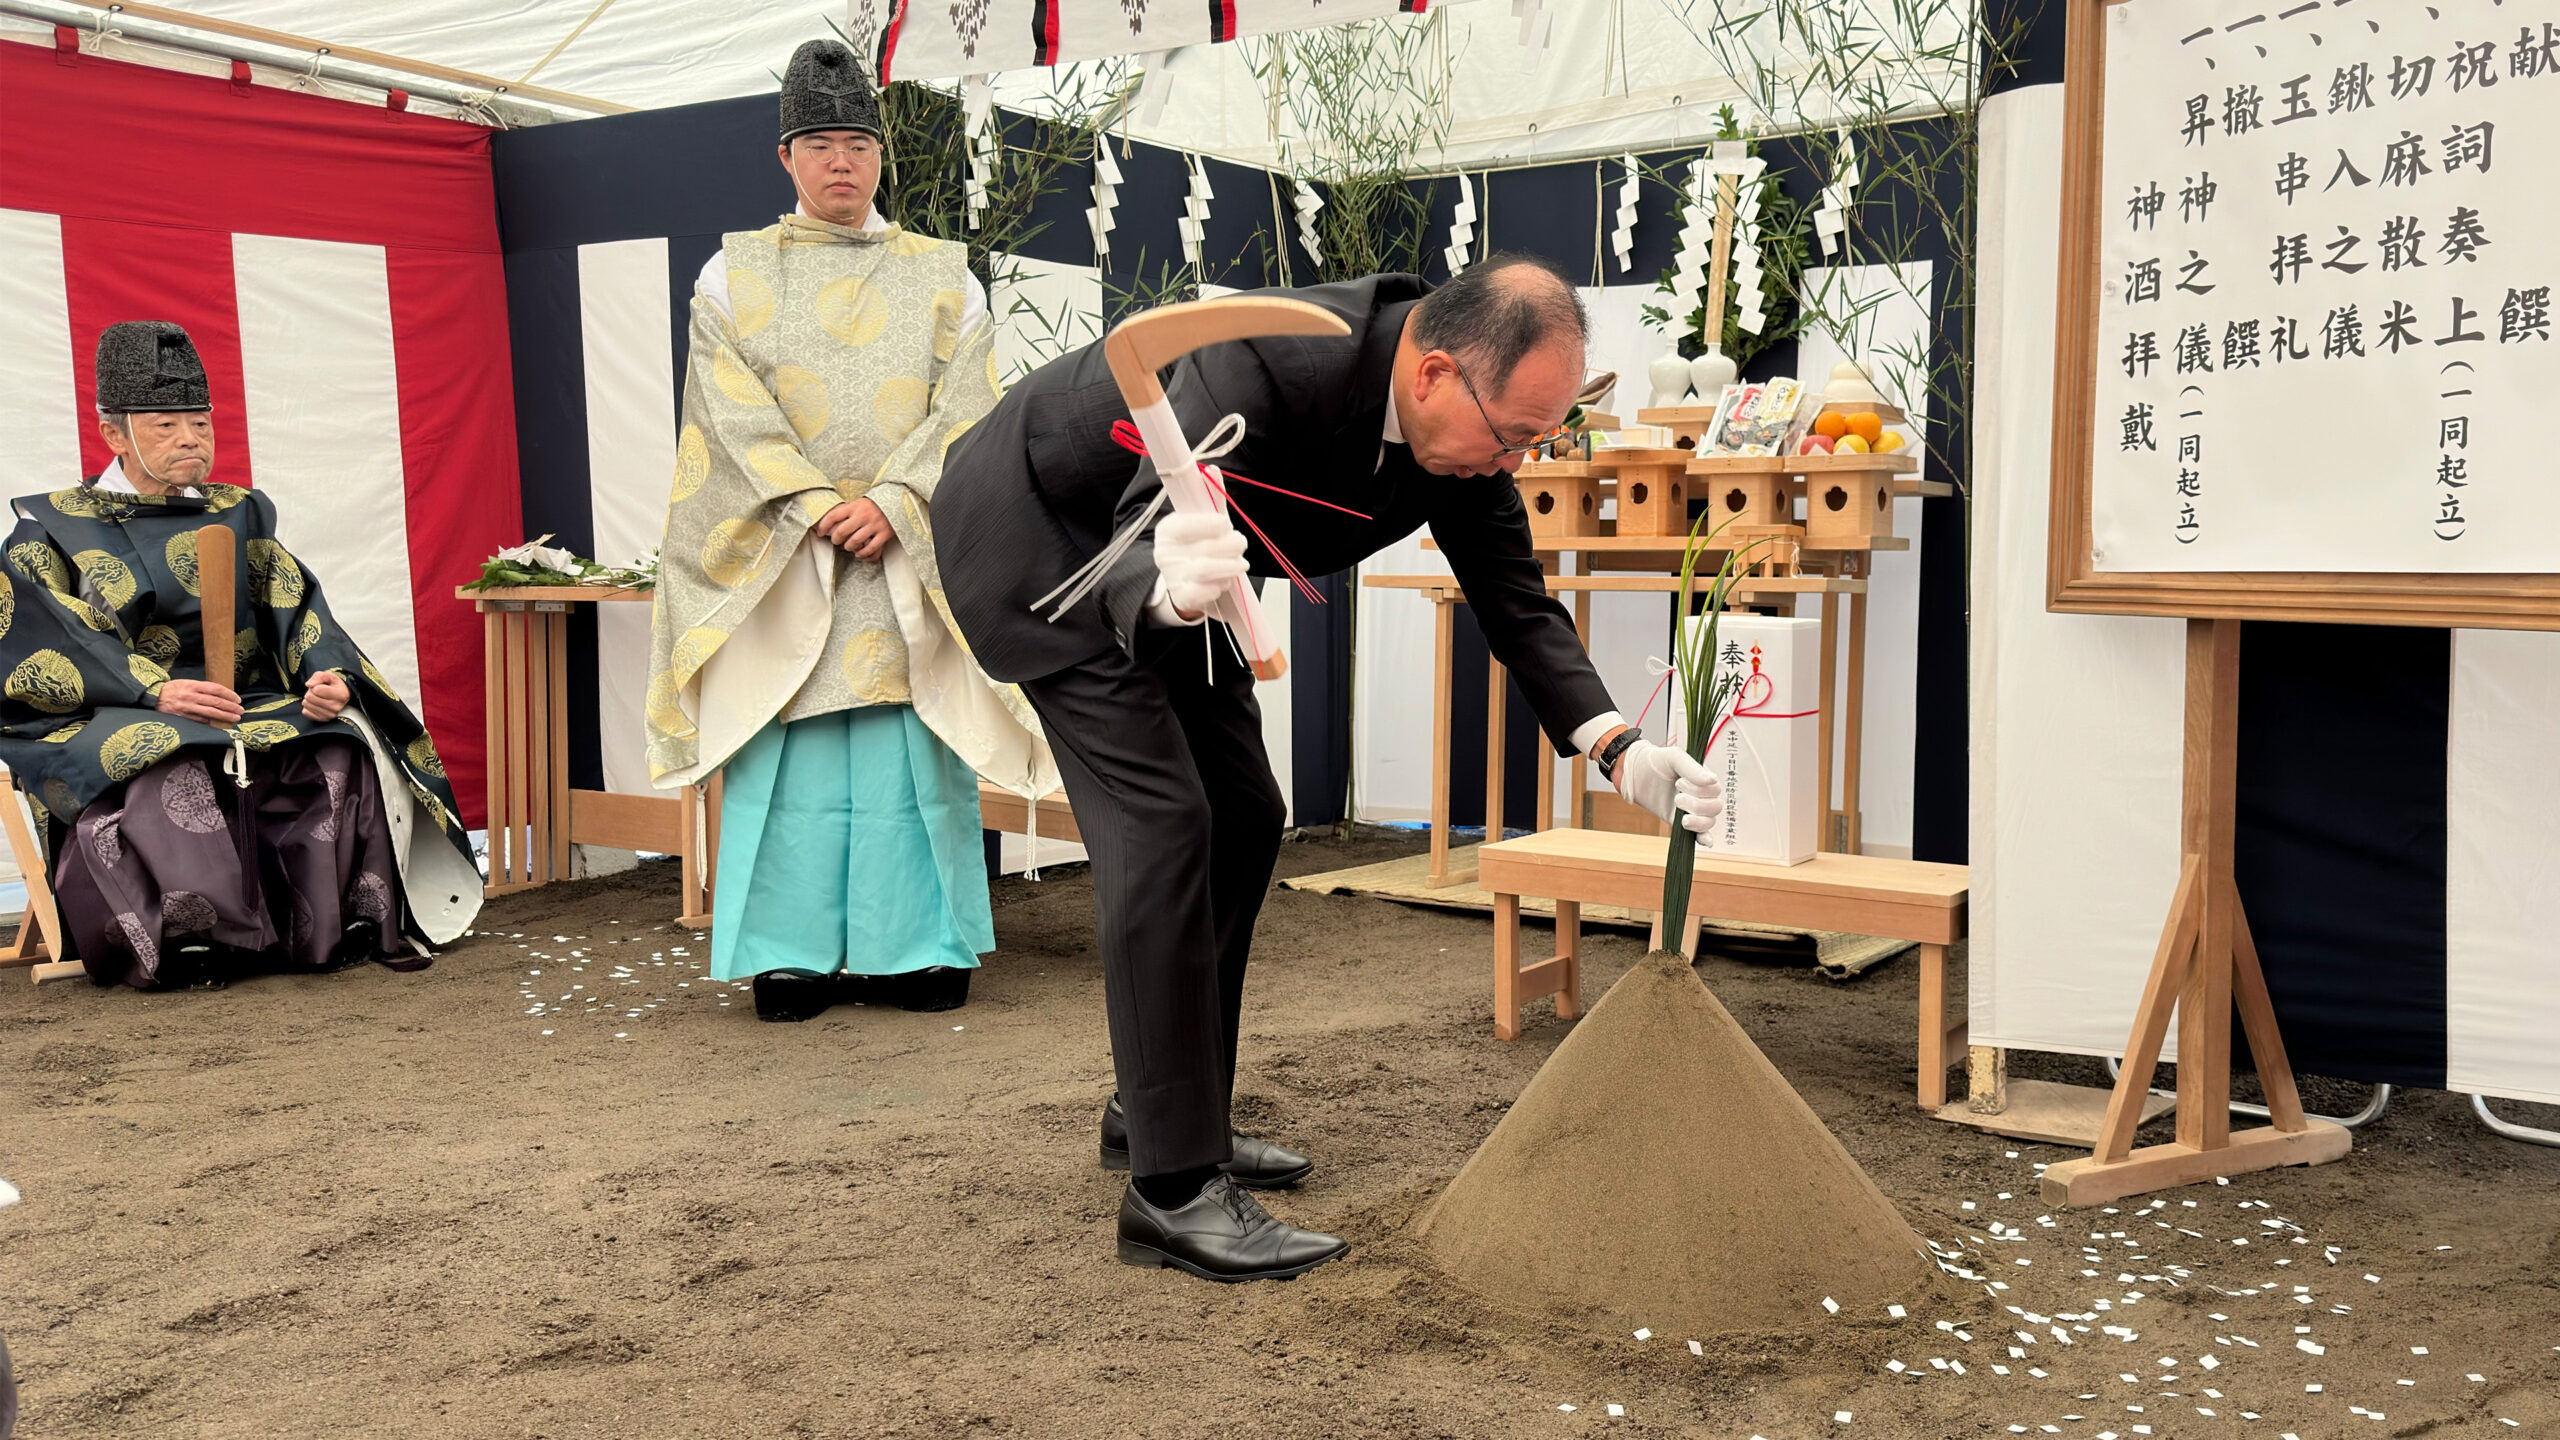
[
  {"x": 1912, "y": 900},
  {"x": 38, "y": 943}
]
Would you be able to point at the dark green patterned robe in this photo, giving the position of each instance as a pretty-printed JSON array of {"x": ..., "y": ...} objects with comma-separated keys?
[{"x": 99, "y": 607}]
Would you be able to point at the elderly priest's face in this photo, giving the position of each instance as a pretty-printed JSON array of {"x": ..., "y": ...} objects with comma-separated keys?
[{"x": 171, "y": 449}]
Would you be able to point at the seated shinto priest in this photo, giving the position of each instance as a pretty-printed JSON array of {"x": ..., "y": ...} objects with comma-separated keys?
[{"x": 296, "y": 819}]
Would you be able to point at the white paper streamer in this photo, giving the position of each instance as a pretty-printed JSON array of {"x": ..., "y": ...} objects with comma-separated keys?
[
  {"x": 1155, "y": 86},
  {"x": 1106, "y": 197},
  {"x": 1623, "y": 238},
  {"x": 1831, "y": 214},
  {"x": 977, "y": 107},
  {"x": 1194, "y": 224},
  {"x": 1304, "y": 199},
  {"x": 1462, "y": 228}
]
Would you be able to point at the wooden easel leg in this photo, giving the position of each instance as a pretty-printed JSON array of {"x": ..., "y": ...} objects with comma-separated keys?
[
  {"x": 1506, "y": 967},
  {"x": 1689, "y": 929},
  {"x": 1443, "y": 643},
  {"x": 1497, "y": 696},
  {"x": 1847, "y": 838},
  {"x": 1827, "y": 720},
  {"x": 2206, "y": 960},
  {"x": 2258, "y": 1021}
]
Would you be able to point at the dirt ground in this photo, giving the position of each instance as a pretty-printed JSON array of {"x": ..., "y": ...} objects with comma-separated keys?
[{"x": 371, "y": 1204}]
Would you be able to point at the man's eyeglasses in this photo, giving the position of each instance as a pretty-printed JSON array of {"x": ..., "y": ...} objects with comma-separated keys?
[{"x": 1506, "y": 447}]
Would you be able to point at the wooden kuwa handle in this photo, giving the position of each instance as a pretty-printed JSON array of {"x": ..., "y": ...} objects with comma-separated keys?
[{"x": 217, "y": 585}]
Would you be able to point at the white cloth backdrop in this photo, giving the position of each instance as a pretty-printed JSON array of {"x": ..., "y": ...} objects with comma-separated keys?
[{"x": 2077, "y": 730}]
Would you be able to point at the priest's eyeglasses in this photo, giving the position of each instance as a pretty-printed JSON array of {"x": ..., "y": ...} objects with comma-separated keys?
[
  {"x": 1503, "y": 446},
  {"x": 858, "y": 149}
]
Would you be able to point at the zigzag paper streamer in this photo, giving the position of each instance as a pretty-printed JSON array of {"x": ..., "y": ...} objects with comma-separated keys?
[
  {"x": 1831, "y": 217},
  {"x": 1106, "y": 197},
  {"x": 1623, "y": 238},
  {"x": 1303, "y": 198},
  {"x": 1462, "y": 228},
  {"x": 1155, "y": 85},
  {"x": 1194, "y": 224},
  {"x": 977, "y": 107}
]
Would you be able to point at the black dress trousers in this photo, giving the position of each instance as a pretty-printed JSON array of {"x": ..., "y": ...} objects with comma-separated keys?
[{"x": 1162, "y": 756}]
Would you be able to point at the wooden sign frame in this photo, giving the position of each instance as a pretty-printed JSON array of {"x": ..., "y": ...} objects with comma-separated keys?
[{"x": 2074, "y": 584}]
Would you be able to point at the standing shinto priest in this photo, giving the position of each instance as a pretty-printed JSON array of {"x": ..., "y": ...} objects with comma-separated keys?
[
  {"x": 317, "y": 829},
  {"x": 802, "y": 645},
  {"x": 1418, "y": 417}
]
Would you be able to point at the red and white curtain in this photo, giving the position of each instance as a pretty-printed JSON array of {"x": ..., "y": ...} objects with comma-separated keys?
[{"x": 337, "y": 265}]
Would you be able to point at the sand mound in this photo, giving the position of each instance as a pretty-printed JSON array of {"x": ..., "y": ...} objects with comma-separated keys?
[{"x": 1660, "y": 1169}]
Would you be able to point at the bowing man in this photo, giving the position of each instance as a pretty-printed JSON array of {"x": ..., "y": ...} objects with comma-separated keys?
[
  {"x": 296, "y": 818},
  {"x": 1418, "y": 417}
]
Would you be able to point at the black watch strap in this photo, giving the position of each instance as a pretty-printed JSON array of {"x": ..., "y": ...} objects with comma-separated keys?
[{"x": 1609, "y": 753}]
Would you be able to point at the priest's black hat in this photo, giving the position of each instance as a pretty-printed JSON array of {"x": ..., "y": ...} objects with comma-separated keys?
[
  {"x": 825, "y": 89},
  {"x": 149, "y": 366}
]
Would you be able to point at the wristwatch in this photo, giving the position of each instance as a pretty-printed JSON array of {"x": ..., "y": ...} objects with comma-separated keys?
[{"x": 1607, "y": 759}]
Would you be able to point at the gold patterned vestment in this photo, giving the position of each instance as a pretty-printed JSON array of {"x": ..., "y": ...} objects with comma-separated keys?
[
  {"x": 841, "y": 370},
  {"x": 100, "y": 606}
]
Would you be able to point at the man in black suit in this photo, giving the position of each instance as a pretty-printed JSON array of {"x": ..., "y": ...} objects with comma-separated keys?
[{"x": 1418, "y": 417}]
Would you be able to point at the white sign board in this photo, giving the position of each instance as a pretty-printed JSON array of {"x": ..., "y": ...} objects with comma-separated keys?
[{"x": 2325, "y": 326}]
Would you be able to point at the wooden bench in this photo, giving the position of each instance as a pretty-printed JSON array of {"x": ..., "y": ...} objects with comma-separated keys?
[
  {"x": 1002, "y": 810},
  {"x": 1861, "y": 894}
]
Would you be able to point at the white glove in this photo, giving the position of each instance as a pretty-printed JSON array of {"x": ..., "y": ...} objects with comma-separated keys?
[
  {"x": 1197, "y": 558},
  {"x": 1662, "y": 781}
]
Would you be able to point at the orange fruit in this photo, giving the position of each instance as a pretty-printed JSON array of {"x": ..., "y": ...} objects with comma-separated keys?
[
  {"x": 1851, "y": 445},
  {"x": 1867, "y": 426},
  {"x": 1831, "y": 424}
]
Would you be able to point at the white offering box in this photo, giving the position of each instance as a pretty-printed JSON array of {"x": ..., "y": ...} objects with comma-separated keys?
[{"x": 1766, "y": 755}]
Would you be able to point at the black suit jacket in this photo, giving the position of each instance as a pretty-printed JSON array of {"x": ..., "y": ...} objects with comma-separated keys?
[{"x": 1038, "y": 486}]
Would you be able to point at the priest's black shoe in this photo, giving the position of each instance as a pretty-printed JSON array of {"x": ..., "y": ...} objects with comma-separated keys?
[
  {"x": 928, "y": 991},
  {"x": 1223, "y": 1234},
  {"x": 1258, "y": 1164},
  {"x": 794, "y": 994}
]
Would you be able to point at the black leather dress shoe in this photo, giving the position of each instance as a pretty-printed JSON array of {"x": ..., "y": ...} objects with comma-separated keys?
[
  {"x": 1223, "y": 1234},
  {"x": 789, "y": 995},
  {"x": 928, "y": 991},
  {"x": 1257, "y": 1164}
]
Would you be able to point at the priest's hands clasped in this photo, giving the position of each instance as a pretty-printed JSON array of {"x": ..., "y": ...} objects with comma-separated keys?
[
  {"x": 857, "y": 527},
  {"x": 1668, "y": 785},
  {"x": 1197, "y": 558},
  {"x": 324, "y": 696},
  {"x": 199, "y": 700}
]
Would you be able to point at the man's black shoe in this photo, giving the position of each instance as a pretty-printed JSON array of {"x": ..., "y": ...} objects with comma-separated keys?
[
  {"x": 1257, "y": 1164},
  {"x": 1223, "y": 1234},
  {"x": 793, "y": 994}
]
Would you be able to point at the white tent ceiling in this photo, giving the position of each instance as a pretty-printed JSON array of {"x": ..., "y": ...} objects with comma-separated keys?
[{"x": 1612, "y": 74}]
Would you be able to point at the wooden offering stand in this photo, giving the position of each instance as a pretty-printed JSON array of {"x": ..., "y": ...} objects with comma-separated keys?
[
  {"x": 1562, "y": 496},
  {"x": 1653, "y": 489},
  {"x": 2206, "y": 962}
]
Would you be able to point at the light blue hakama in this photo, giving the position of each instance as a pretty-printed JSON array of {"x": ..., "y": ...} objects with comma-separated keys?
[{"x": 849, "y": 841}]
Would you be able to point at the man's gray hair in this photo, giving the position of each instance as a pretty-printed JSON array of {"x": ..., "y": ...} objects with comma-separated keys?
[{"x": 1493, "y": 313}]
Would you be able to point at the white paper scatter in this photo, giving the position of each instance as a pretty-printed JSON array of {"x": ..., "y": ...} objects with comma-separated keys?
[
  {"x": 1617, "y": 1410},
  {"x": 1966, "y": 1205},
  {"x": 1895, "y": 1311},
  {"x": 2209, "y": 1362},
  {"x": 546, "y": 1032},
  {"x": 1644, "y": 1334},
  {"x": 1697, "y": 1349},
  {"x": 2407, "y": 1382},
  {"x": 1839, "y": 1417},
  {"x": 1567, "y": 1409},
  {"x": 2311, "y": 1389},
  {"x": 621, "y": 1034},
  {"x": 1999, "y": 1369},
  {"x": 1831, "y": 1305},
  {"x": 2035, "y": 1372},
  {"x": 1896, "y": 1366},
  {"x": 956, "y": 1029},
  {"x": 2477, "y": 1379}
]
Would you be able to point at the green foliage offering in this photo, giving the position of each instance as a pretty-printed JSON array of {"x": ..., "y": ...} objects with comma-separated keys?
[
  {"x": 1705, "y": 693},
  {"x": 1359, "y": 104},
  {"x": 1786, "y": 244}
]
